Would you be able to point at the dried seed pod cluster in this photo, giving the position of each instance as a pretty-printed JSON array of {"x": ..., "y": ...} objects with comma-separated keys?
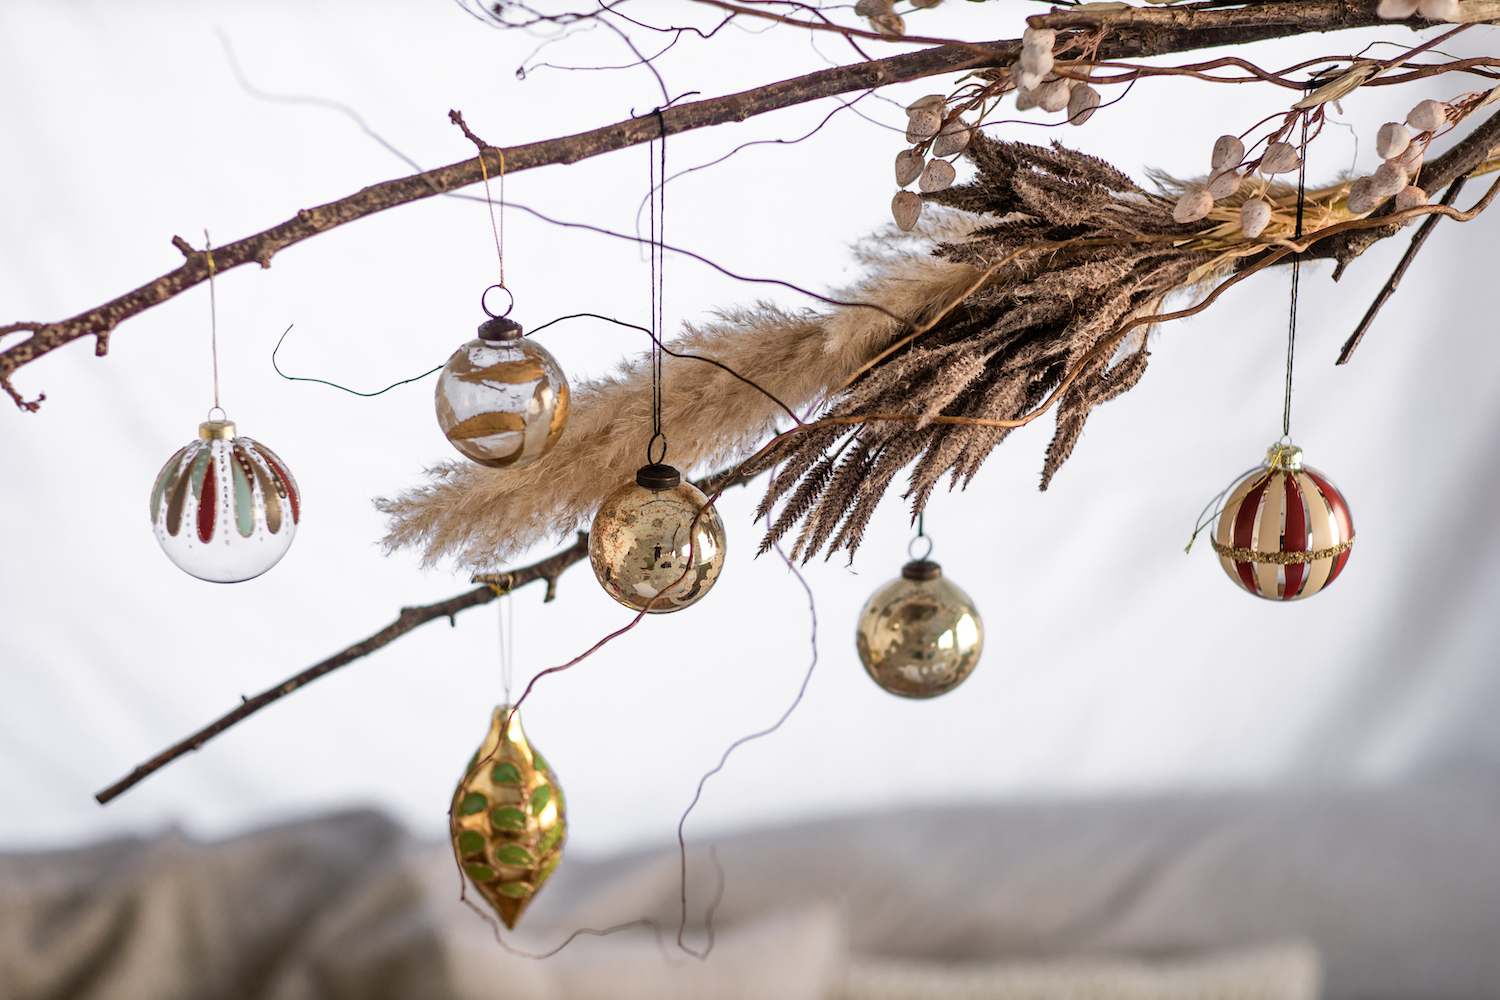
[
  {"x": 1224, "y": 180},
  {"x": 883, "y": 19},
  {"x": 1431, "y": 10},
  {"x": 1037, "y": 86},
  {"x": 1402, "y": 152},
  {"x": 932, "y": 130}
]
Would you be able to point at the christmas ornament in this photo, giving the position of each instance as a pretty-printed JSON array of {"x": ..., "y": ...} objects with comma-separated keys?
[
  {"x": 225, "y": 508},
  {"x": 507, "y": 820},
  {"x": 657, "y": 538},
  {"x": 919, "y": 636},
  {"x": 1285, "y": 531},
  {"x": 502, "y": 400}
]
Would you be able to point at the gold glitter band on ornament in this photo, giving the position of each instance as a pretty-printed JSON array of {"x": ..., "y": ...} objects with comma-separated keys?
[{"x": 1278, "y": 558}]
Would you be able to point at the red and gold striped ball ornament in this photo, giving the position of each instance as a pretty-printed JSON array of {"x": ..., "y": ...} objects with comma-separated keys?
[
  {"x": 1284, "y": 532},
  {"x": 225, "y": 508}
]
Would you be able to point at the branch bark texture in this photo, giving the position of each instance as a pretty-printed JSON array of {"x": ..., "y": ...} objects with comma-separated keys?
[{"x": 1124, "y": 34}]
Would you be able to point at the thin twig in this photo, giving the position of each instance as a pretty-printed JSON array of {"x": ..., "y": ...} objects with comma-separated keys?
[
  {"x": 409, "y": 618},
  {"x": 1389, "y": 288}
]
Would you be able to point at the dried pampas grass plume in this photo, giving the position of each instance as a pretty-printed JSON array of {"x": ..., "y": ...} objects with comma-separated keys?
[
  {"x": 1085, "y": 251},
  {"x": 481, "y": 517}
]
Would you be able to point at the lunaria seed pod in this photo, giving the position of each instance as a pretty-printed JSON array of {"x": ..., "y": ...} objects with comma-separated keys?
[
  {"x": 909, "y": 164},
  {"x": 1410, "y": 196},
  {"x": 938, "y": 175},
  {"x": 873, "y": 8},
  {"x": 925, "y": 3},
  {"x": 1429, "y": 116},
  {"x": 1391, "y": 140},
  {"x": 889, "y": 25},
  {"x": 1194, "y": 204},
  {"x": 1411, "y": 160},
  {"x": 1229, "y": 152},
  {"x": 1396, "y": 10},
  {"x": 1036, "y": 59},
  {"x": 1387, "y": 179},
  {"x": 1223, "y": 185},
  {"x": 1025, "y": 78},
  {"x": 953, "y": 139},
  {"x": 1039, "y": 37},
  {"x": 1054, "y": 96},
  {"x": 1360, "y": 198},
  {"x": 1279, "y": 158},
  {"x": 1027, "y": 98},
  {"x": 923, "y": 125},
  {"x": 1255, "y": 215},
  {"x": 1438, "y": 10},
  {"x": 932, "y": 102},
  {"x": 1082, "y": 103},
  {"x": 906, "y": 208}
]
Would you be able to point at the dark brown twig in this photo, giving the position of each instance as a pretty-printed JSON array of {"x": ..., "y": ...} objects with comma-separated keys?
[
  {"x": 1143, "y": 33},
  {"x": 1389, "y": 289},
  {"x": 548, "y": 569}
]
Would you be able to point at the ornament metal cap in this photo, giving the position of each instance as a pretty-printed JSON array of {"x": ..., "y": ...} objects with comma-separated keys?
[
  {"x": 501, "y": 329},
  {"x": 1284, "y": 456},
  {"x": 657, "y": 477},
  {"x": 921, "y": 569},
  {"x": 222, "y": 430}
]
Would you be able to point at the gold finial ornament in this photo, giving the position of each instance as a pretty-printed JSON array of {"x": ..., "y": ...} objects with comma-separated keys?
[
  {"x": 507, "y": 820},
  {"x": 919, "y": 636}
]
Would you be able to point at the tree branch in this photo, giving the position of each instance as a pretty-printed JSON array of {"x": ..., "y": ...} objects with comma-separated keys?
[
  {"x": 495, "y": 585},
  {"x": 1142, "y": 33},
  {"x": 548, "y": 569}
]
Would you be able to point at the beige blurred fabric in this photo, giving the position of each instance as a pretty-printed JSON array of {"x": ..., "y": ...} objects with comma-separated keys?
[{"x": 1378, "y": 893}]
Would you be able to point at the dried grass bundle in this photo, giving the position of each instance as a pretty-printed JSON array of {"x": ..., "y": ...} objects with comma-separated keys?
[{"x": 996, "y": 355}]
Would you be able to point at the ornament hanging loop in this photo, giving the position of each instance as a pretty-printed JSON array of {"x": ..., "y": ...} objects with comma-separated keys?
[
  {"x": 222, "y": 414},
  {"x": 484, "y": 303},
  {"x": 651, "y": 446},
  {"x": 912, "y": 544}
]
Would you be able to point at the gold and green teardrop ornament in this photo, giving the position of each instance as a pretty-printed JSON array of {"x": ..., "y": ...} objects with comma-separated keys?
[{"x": 507, "y": 820}]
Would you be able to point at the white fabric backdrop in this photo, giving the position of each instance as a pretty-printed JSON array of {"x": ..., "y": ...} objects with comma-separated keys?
[{"x": 1114, "y": 662}]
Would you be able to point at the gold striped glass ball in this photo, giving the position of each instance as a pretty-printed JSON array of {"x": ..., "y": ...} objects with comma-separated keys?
[
  {"x": 919, "y": 636},
  {"x": 225, "y": 508},
  {"x": 650, "y": 544},
  {"x": 502, "y": 401},
  {"x": 1285, "y": 532}
]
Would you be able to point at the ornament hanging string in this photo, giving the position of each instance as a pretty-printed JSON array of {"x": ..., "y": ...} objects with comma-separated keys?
[
  {"x": 496, "y": 228},
  {"x": 657, "y": 246},
  {"x": 213, "y": 320},
  {"x": 1291, "y": 332}
]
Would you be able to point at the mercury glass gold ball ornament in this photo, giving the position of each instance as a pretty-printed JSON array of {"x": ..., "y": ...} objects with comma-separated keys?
[
  {"x": 507, "y": 822},
  {"x": 919, "y": 636},
  {"x": 225, "y": 508},
  {"x": 648, "y": 541},
  {"x": 502, "y": 400},
  {"x": 1285, "y": 531}
]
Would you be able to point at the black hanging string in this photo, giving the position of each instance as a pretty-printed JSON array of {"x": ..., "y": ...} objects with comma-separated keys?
[
  {"x": 657, "y": 244},
  {"x": 1291, "y": 332}
]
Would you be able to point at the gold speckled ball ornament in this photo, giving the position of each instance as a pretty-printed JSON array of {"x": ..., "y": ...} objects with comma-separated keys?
[
  {"x": 502, "y": 400},
  {"x": 919, "y": 636},
  {"x": 507, "y": 821},
  {"x": 648, "y": 541}
]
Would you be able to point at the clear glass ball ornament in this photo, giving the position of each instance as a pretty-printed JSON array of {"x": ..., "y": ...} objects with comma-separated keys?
[
  {"x": 225, "y": 508},
  {"x": 919, "y": 636},
  {"x": 1284, "y": 532},
  {"x": 502, "y": 400},
  {"x": 649, "y": 542}
]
